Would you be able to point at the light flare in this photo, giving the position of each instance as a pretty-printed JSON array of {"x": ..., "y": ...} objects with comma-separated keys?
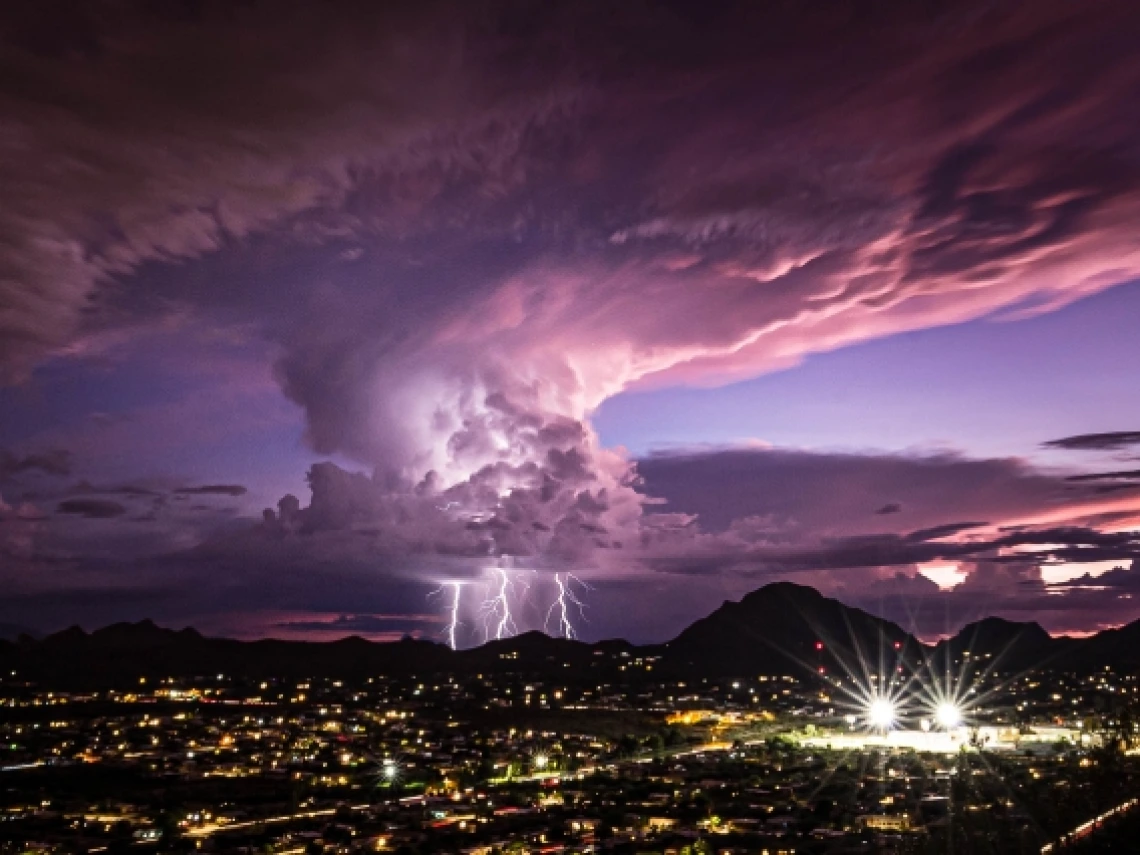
[
  {"x": 882, "y": 713},
  {"x": 948, "y": 715},
  {"x": 957, "y": 688}
]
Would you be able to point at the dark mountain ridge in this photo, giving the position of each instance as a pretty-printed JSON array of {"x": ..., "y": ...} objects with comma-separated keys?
[
  {"x": 13, "y": 632},
  {"x": 1005, "y": 644},
  {"x": 792, "y": 627},
  {"x": 781, "y": 628}
]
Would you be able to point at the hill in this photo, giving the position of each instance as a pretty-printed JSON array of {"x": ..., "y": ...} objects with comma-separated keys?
[
  {"x": 999, "y": 644},
  {"x": 780, "y": 628},
  {"x": 785, "y": 628}
]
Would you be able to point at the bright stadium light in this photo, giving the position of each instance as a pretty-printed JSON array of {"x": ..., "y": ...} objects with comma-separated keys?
[
  {"x": 881, "y": 713},
  {"x": 948, "y": 715}
]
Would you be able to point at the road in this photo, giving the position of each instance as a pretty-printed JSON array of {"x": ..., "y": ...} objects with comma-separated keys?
[
  {"x": 211, "y": 828},
  {"x": 1087, "y": 828}
]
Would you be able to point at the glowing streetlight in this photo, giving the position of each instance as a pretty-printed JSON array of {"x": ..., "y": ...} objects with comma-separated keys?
[
  {"x": 948, "y": 715},
  {"x": 540, "y": 761}
]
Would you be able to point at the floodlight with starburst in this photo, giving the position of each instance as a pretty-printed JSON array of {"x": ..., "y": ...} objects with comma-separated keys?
[
  {"x": 881, "y": 713},
  {"x": 948, "y": 714}
]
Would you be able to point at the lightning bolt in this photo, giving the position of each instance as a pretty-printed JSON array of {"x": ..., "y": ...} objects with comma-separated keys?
[
  {"x": 453, "y": 620},
  {"x": 497, "y": 609},
  {"x": 563, "y": 602},
  {"x": 456, "y": 587}
]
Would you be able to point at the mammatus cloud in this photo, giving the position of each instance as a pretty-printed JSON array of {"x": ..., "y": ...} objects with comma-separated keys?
[{"x": 210, "y": 147}]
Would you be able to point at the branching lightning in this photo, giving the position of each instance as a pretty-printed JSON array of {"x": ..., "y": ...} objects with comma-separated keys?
[
  {"x": 562, "y": 605},
  {"x": 496, "y": 610},
  {"x": 453, "y": 623}
]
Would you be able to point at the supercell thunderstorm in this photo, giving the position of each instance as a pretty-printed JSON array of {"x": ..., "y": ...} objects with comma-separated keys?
[{"x": 457, "y": 240}]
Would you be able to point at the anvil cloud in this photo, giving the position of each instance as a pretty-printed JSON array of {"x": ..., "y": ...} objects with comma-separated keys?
[{"x": 454, "y": 230}]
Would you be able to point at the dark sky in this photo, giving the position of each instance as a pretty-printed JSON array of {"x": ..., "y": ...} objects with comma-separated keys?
[{"x": 315, "y": 314}]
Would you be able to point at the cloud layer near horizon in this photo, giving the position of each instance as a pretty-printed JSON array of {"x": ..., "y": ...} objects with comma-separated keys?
[
  {"x": 723, "y": 522},
  {"x": 458, "y": 228}
]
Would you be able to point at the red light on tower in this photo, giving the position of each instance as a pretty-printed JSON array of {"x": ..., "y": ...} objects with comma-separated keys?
[
  {"x": 819, "y": 645},
  {"x": 898, "y": 645}
]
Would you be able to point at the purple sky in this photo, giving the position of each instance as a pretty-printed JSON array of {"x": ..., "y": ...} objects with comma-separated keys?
[{"x": 676, "y": 302}]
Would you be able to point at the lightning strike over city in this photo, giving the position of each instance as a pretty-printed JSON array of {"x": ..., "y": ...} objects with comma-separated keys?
[
  {"x": 453, "y": 622},
  {"x": 452, "y": 603},
  {"x": 498, "y": 620},
  {"x": 565, "y": 601}
]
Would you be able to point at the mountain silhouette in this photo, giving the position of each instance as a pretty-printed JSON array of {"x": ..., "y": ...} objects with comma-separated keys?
[
  {"x": 784, "y": 628},
  {"x": 999, "y": 645},
  {"x": 781, "y": 628}
]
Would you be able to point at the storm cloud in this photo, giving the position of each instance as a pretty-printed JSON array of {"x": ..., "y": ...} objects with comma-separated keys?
[
  {"x": 1097, "y": 441},
  {"x": 212, "y": 490},
  {"x": 91, "y": 508},
  {"x": 56, "y": 462},
  {"x": 571, "y": 173},
  {"x": 450, "y": 231}
]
